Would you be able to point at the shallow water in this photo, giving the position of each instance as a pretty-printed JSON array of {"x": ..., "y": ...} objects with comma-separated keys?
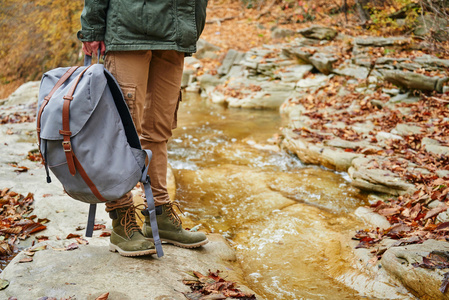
[{"x": 289, "y": 222}]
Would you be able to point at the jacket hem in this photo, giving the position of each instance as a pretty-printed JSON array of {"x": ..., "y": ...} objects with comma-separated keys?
[{"x": 133, "y": 47}]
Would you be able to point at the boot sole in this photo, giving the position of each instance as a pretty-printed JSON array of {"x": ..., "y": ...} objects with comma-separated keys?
[
  {"x": 188, "y": 246},
  {"x": 114, "y": 248}
]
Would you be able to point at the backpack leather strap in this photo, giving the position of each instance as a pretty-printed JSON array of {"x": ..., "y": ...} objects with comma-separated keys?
[
  {"x": 72, "y": 162},
  {"x": 47, "y": 99},
  {"x": 65, "y": 132},
  {"x": 87, "y": 180}
]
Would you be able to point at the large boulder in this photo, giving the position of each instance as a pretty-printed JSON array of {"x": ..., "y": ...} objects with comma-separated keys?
[{"x": 423, "y": 283}]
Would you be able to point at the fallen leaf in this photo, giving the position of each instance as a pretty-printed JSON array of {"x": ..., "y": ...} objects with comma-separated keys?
[
  {"x": 72, "y": 246},
  {"x": 41, "y": 238},
  {"x": 105, "y": 234},
  {"x": 21, "y": 169},
  {"x": 99, "y": 227},
  {"x": 435, "y": 211},
  {"x": 71, "y": 236},
  {"x": 3, "y": 284},
  {"x": 33, "y": 228},
  {"x": 38, "y": 248},
  {"x": 15, "y": 230},
  {"x": 82, "y": 241},
  {"x": 26, "y": 259},
  {"x": 104, "y": 296}
]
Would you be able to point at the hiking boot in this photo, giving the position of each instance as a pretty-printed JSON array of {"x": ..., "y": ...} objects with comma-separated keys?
[
  {"x": 170, "y": 228},
  {"x": 126, "y": 237}
]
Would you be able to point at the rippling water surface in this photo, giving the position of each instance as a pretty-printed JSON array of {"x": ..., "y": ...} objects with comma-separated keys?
[{"x": 289, "y": 222}]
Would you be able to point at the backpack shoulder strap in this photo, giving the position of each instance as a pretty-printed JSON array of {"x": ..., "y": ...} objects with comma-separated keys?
[{"x": 47, "y": 98}]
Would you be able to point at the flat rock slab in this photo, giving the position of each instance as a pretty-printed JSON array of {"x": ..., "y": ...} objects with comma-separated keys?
[{"x": 91, "y": 270}]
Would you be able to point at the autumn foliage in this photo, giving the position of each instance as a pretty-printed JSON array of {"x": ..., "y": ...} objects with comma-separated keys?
[{"x": 36, "y": 36}]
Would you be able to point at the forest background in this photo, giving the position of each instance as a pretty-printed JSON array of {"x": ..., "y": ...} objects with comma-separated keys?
[{"x": 39, "y": 35}]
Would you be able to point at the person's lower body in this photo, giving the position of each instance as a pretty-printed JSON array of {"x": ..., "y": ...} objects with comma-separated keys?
[{"x": 150, "y": 82}]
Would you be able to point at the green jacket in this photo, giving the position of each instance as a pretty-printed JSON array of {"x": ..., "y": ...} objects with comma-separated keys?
[{"x": 143, "y": 24}]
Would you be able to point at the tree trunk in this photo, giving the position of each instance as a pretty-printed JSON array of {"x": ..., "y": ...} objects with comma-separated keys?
[{"x": 361, "y": 9}]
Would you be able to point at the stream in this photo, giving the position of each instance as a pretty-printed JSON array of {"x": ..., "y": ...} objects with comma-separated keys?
[{"x": 290, "y": 223}]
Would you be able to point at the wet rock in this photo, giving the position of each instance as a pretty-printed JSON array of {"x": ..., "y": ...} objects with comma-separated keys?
[
  {"x": 434, "y": 146},
  {"x": 206, "y": 49},
  {"x": 26, "y": 93},
  {"x": 367, "y": 177},
  {"x": 280, "y": 33},
  {"x": 421, "y": 282},
  {"x": 311, "y": 153},
  {"x": 216, "y": 97},
  {"x": 371, "y": 218},
  {"x": 193, "y": 87},
  {"x": 323, "y": 62},
  {"x": 416, "y": 81},
  {"x": 318, "y": 32}
]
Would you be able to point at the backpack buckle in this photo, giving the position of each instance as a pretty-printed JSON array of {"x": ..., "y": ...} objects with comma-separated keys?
[{"x": 67, "y": 146}]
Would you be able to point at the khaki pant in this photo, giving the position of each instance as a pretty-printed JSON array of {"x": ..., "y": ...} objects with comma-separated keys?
[{"x": 150, "y": 82}]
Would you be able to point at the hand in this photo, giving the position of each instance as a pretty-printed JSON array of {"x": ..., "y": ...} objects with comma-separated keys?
[{"x": 92, "y": 47}]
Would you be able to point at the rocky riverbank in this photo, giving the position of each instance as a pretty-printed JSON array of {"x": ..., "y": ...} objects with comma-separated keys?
[
  {"x": 373, "y": 107},
  {"x": 343, "y": 112}
]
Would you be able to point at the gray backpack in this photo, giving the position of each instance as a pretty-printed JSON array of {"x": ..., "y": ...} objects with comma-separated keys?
[{"x": 88, "y": 140}]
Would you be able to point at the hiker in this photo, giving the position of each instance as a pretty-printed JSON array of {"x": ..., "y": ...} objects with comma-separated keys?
[{"x": 145, "y": 43}]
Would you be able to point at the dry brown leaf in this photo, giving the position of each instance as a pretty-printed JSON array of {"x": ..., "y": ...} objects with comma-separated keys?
[
  {"x": 104, "y": 296},
  {"x": 26, "y": 260}
]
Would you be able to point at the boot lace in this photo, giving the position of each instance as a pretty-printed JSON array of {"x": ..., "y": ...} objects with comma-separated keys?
[
  {"x": 172, "y": 213},
  {"x": 129, "y": 222}
]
